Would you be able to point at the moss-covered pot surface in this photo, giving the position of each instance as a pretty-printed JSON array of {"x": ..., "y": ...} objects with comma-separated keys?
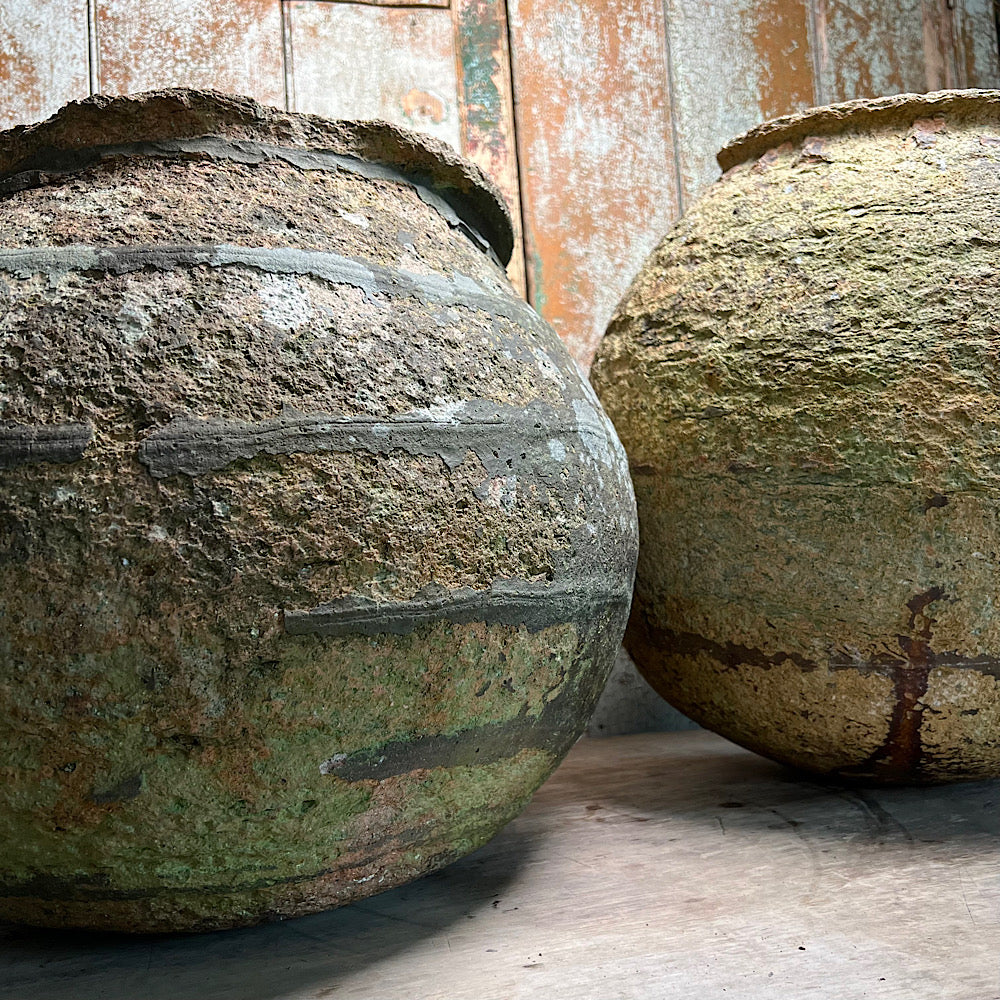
[
  {"x": 805, "y": 376},
  {"x": 315, "y": 548}
]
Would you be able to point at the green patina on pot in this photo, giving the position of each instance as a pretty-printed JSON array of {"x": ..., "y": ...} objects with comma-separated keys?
[
  {"x": 315, "y": 548},
  {"x": 805, "y": 377}
]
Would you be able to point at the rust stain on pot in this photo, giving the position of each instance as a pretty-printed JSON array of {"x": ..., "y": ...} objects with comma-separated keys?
[{"x": 900, "y": 756}]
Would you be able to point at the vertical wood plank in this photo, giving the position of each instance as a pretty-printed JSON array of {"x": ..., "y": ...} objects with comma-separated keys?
[
  {"x": 486, "y": 107},
  {"x": 977, "y": 51},
  {"x": 733, "y": 65},
  {"x": 43, "y": 58},
  {"x": 867, "y": 48},
  {"x": 228, "y": 45},
  {"x": 367, "y": 61},
  {"x": 596, "y": 149},
  {"x": 940, "y": 57}
]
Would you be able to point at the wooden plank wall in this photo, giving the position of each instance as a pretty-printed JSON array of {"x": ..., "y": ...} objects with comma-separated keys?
[
  {"x": 44, "y": 58},
  {"x": 486, "y": 103},
  {"x": 598, "y": 170},
  {"x": 620, "y": 104},
  {"x": 408, "y": 58},
  {"x": 229, "y": 45},
  {"x": 697, "y": 72}
]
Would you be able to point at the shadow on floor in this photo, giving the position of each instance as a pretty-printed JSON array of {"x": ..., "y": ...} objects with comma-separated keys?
[
  {"x": 307, "y": 956},
  {"x": 701, "y": 778}
]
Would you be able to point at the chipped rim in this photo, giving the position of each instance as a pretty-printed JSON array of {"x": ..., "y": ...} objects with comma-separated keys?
[
  {"x": 871, "y": 113},
  {"x": 185, "y": 113}
]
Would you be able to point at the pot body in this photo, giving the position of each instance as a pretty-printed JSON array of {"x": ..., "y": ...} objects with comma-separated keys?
[
  {"x": 805, "y": 376},
  {"x": 315, "y": 546}
]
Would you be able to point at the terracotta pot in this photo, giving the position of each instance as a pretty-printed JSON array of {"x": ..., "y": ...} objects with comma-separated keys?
[
  {"x": 315, "y": 548},
  {"x": 805, "y": 375}
]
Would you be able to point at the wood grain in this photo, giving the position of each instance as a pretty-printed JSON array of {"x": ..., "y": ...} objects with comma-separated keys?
[
  {"x": 486, "y": 107},
  {"x": 977, "y": 52},
  {"x": 648, "y": 868},
  {"x": 767, "y": 71},
  {"x": 394, "y": 3},
  {"x": 866, "y": 48}
]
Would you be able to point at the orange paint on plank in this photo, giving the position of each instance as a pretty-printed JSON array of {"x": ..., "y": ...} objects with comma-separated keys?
[
  {"x": 19, "y": 78},
  {"x": 597, "y": 156},
  {"x": 43, "y": 59},
  {"x": 392, "y": 3},
  {"x": 873, "y": 48},
  {"x": 779, "y": 30},
  {"x": 229, "y": 45},
  {"x": 486, "y": 108},
  {"x": 939, "y": 46},
  {"x": 977, "y": 50},
  {"x": 419, "y": 104}
]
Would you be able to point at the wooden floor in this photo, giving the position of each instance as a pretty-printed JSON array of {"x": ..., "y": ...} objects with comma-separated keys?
[{"x": 655, "y": 866}]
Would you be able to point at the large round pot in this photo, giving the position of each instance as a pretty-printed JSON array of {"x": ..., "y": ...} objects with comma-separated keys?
[
  {"x": 805, "y": 376},
  {"x": 315, "y": 548}
]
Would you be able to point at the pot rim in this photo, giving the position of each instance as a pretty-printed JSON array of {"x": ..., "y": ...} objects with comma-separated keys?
[
  {"x": 830, "y": 119},
  {"x": 179, "y": 113}
]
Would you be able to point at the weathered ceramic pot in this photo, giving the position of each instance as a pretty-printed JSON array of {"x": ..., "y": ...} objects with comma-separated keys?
[
  {"x": 806, "y": 377},
  {"x": 315, "y": 548}
]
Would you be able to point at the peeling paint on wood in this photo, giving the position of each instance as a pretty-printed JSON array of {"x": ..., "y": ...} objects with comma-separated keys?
[
  {"x": 767, "y": 72},
  {"x": 779, "y": 30},
  {"x": 866, "y": 48},
  {"x": 43, "y": 59},
  {"x": 229, "y": 45},
  {"x": 595, "y": 142},
  {"x": 408, "y": 57},
  {"x": 977, "y": 51},
  {"x": 486, "y": 107},
  {"x": 395, "y": 3}
]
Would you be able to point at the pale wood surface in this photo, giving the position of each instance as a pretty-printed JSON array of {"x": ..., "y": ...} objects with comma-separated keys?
[
  {"x": 655, "y": 866},
  {"x": 354, "y": 60},
  {"x": 228, "y": 45},
  {"x": 43, "y": 58}
]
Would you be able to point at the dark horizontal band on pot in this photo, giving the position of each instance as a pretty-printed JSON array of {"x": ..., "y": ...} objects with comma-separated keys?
[
  {"x": 195, "y": 446},
  {"x": 371, "y": 278},
  {"x": 22, "y": 444},
  {"x": 460, "y": 212},
  {"x": 733, "y": 655},
  {"x": 554, "y": 728},
  {"x": 549, "y": 731},
  {"x": 536, "y": 606}
]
